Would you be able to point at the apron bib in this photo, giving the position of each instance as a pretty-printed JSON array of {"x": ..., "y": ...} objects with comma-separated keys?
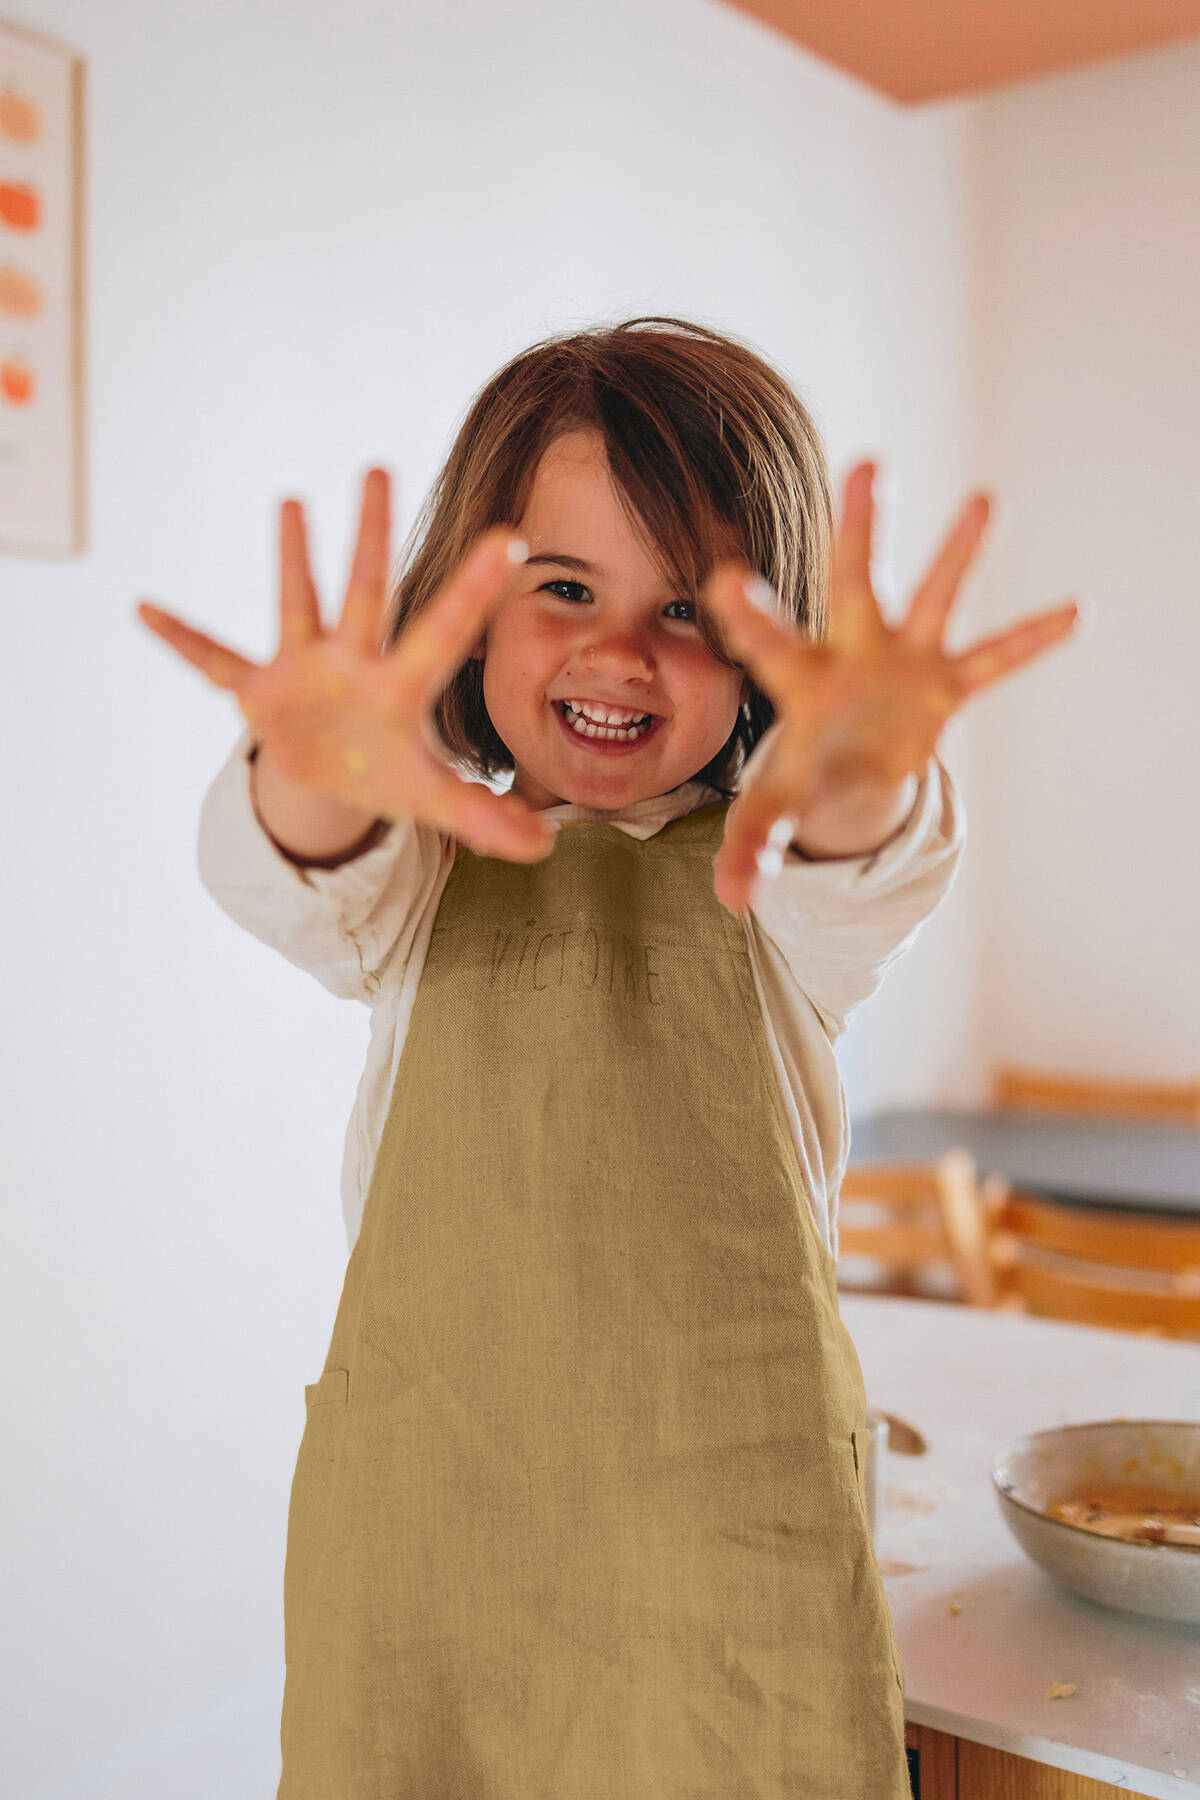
[{"x": 579, "y": 1510}]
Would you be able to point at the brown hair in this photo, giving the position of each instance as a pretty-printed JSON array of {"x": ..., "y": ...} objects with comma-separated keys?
[{"x": 712, "y": 454}]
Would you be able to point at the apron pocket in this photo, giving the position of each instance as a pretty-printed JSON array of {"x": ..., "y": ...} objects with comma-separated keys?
[
  {"x": 310, "y": 1516},
  {"x": 331, "y": 1388},
  {"x": 858, "y": 1445}
]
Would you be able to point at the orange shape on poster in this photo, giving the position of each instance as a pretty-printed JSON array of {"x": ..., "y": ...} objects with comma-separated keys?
[
  {"x": 16, "y": 381},
  {"x": 20, "y": 295},
  {"x": 18, "y": 117},
  {"x": 20, "y": 205}
]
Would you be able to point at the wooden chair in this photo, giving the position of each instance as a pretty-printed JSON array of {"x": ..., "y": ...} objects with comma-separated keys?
[
  {"x": 1117, "y": 1269},
  {"x": 1038, "y": 1090},
  {"x": 934, "y": 1221}
]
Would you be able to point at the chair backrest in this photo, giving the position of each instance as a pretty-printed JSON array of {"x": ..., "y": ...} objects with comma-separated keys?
[
  {"x": 933, "y": 1215},
  {"x": 1093, "y": 1267},
  {"x": 1046, "y": 1090}
]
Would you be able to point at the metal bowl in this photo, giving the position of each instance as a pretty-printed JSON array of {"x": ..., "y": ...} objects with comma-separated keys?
[{"x": 1159, "y": 1581}]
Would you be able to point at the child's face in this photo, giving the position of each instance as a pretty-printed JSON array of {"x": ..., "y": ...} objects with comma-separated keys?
[{"x": 611, "y": 633}]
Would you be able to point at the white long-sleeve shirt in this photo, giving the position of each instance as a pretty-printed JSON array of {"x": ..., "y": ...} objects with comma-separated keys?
[{"x": 821, "y": 937}]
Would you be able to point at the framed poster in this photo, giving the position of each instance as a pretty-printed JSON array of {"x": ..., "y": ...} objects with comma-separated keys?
[{"x": 41, "y": 295}]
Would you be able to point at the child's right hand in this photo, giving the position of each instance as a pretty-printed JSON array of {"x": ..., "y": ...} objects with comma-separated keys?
[{"x": 343, "y": 718}]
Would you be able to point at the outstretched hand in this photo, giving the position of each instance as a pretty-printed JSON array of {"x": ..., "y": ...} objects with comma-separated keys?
[
  {"x": 856, "y": 714},
  {"x": 344, "y": 717}
]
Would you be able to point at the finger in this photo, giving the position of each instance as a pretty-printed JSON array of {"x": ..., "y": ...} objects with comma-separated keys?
[
  {"x": 223, "y": 666},
  {"x": 435, "y": 643},
  {"x": 756, "y": 632},
  {"x": 986, "y": 662},
  {"x": 854, "y": 615},
  {"x": 931, "y": 604},
  {"x": 362, "y": 607},
  {"x": 754, "y": 848},
  {"x": 490, "y": 824},
  {"x": 761, "y": 823},
  {"x": 299, "y": 608}
]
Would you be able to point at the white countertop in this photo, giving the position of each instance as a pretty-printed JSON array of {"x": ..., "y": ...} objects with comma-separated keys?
[{"x": 971, "y": 1380}]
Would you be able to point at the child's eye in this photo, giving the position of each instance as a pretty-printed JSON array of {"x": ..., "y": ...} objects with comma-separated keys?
[{"x": 563, "y": 583}]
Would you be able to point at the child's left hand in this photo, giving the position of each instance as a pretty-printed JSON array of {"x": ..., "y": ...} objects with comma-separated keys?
[{"x": 859, "y": 712}]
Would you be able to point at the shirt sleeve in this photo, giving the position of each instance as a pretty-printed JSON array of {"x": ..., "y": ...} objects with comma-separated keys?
[
  {"x": 841, "y": 923},
  {"x": 345, "y": 926}
]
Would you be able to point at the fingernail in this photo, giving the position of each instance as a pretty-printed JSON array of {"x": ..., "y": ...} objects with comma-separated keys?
[
  {"x": 998, "y": 523},
  {"x": 760, "y": 592},
  {"x": 517, "y": 550},
  {"x": 1086, "y": 607},
  {"x": 886, "y": 490}
]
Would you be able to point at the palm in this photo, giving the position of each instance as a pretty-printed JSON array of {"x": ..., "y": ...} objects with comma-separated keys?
[
  {"x": 865, "y": 718},
  {"x": 867, "y": 706},
  {"x": 333, "y": 721},
  {"x": 346, "y": 719}
]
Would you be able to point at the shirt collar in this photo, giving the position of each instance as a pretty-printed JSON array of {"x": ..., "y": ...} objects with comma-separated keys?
[{"x": 643, "y": 817}]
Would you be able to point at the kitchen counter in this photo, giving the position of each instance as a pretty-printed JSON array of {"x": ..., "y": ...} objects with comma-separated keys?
[{"x": 971, "y": 1380}]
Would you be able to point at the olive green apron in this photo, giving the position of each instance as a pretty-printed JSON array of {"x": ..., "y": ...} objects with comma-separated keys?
[{"x": 579, "y": 1511}]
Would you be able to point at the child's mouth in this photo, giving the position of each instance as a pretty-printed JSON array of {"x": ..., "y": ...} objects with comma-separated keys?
[{"x": 606, "y": 741}]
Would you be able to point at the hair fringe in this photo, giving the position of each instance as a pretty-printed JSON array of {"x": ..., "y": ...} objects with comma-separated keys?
[{"x": 712, "y": 453}]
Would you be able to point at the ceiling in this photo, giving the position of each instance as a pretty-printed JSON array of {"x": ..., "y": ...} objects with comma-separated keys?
[{"x": 919, "y": 50}]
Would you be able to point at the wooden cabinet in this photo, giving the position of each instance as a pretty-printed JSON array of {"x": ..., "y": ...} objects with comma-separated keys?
[{"x": 949, "y": 1768}]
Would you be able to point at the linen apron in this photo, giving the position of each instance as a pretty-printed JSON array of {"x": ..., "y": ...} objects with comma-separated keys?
[{"x": 579, "y": 1509}]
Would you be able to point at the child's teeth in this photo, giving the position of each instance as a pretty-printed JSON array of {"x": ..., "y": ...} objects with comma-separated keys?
[{"x": 588, "y": 727}]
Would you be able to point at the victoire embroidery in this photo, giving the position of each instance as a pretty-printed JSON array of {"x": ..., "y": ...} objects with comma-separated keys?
[{"x": 533, "y": 961}]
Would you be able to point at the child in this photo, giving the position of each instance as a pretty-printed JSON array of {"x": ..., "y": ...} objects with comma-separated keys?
[{"x": 579, "y": 1507}]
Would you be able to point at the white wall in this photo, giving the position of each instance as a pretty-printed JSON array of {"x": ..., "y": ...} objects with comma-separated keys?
[
  {"x": 1084, "y": 769},
  {"x": 313, "y": 232}
]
